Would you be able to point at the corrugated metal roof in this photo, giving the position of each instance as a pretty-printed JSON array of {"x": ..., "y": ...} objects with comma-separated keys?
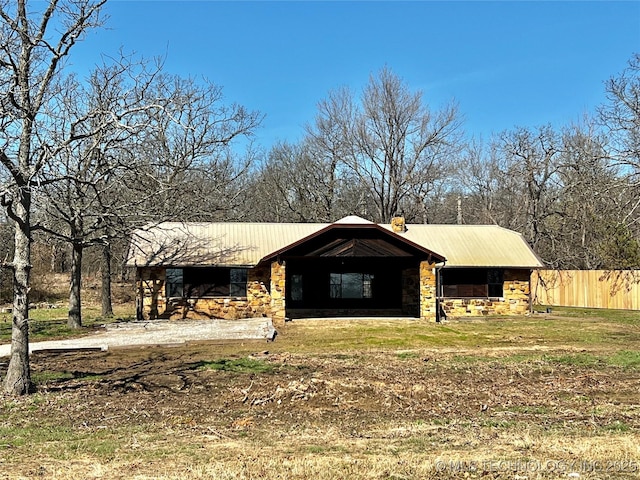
[
  {"x": 475, "y": 245},
  {"x": 226, "y": 244},
  {"x": 182, "y": 244}
]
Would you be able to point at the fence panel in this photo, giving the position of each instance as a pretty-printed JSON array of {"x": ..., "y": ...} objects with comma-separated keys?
[{"x": 618, "y": 289}]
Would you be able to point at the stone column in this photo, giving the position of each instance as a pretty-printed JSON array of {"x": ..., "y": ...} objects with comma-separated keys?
[
  {"x": 258, "y": 297},
  {"x": 278, "y": 306},
  {"x": 517, "y": 291},
  {"x": 428, "y": 291}
]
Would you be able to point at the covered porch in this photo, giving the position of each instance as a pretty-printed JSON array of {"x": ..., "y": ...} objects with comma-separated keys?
[{"x": 353, "y": 270}]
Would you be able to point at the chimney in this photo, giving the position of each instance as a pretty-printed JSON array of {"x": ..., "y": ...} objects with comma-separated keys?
[{"x": 397, "y": 224}]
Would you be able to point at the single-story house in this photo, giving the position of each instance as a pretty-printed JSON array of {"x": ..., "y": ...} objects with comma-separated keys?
[{"x": 351, "y": 267}]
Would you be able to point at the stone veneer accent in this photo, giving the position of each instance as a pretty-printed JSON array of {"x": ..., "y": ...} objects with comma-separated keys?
[
  {"x": 428, "y": 293},
  {"x": 150, "y": 300},
  {"x": 516, "y": 299}
]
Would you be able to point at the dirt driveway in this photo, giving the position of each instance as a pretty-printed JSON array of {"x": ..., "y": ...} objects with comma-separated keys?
[{"x": 161, "y": 332}]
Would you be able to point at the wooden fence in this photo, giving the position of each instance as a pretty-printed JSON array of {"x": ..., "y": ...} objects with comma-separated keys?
[{"x": 618, "y": 289}]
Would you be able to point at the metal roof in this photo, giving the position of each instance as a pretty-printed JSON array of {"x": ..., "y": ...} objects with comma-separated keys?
[
  {"x": 225, "y": 244},
  {"x": 246, "y": 244},
  {"x": 475, "y": 245}
]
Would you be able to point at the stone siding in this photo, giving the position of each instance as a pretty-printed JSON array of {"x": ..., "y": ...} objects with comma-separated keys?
[
  {"x": 515, "y": 300},
  {"x": 153, "y": 304},
  {"x": 266, "y": 297}
]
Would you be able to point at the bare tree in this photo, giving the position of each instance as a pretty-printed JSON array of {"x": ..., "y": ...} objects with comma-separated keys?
[
  {"x": 80, "y": 200},
  {"x": 397, "y": 147},
  {"x": 163, "y": 157},
  {"x": 532, "y": 159},
  {"x": 621, "y": 115},
  {"x": 587, "y": 203},
  {"x": 478, "y": 178},
  {"x": 295, "y": 184},
  {"x": 33, "y": 46}
]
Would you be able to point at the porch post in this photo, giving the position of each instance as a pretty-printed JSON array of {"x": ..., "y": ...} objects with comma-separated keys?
[
  {"x": 278, "y": 306},
  {"x": 428, "y": 291}
]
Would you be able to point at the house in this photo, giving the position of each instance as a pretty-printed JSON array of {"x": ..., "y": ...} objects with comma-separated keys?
[{"x": 351, "y": 267}]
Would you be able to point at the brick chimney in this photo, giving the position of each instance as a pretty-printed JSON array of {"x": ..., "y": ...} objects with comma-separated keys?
[{"x": 398, "y": 225}]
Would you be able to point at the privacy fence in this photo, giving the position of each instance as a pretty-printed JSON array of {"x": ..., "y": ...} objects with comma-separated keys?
[{"x": 587, "y": 288}]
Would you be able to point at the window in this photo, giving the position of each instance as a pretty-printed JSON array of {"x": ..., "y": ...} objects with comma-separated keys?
[
  {"x": 472, "y": 282},
  {"x": 238, "y": 282},
  {"x": 206, "y": 282},
  {"x": 495, "y": 281},
  {"x": 351, "y": 285},
  {"x": 174, "y": 282}
]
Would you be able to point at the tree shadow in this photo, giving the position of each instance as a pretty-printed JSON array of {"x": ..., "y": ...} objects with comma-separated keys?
[{"x": 158, "y": 371}]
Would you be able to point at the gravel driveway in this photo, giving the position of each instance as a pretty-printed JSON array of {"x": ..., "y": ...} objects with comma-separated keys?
[{"x": 160, "y": 332}]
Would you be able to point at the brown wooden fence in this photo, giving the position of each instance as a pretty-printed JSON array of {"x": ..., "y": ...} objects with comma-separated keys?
[{"x": 587, "y": 288}]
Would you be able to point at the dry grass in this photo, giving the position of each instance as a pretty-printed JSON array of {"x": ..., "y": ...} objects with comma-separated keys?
[{"x": 508, "y": 398}]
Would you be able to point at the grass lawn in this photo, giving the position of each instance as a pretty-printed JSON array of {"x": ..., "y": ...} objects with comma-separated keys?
[{"x": 547, "y": 396}]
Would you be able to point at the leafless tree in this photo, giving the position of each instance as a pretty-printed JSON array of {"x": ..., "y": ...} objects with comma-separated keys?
[
  {"x": 81, "y": 201},
  {"x": 33, "y": 46},
  {"x": 393, "y": 143},
  {"x": 621, "y": 114},
  {"x": 165, "y": 157},
  {"x": 297, "y": 185},
  {"x": 531, "y": 179}
]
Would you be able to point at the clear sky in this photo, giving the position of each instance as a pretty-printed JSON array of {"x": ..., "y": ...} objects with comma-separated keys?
[{"x": 506, "y": 63}]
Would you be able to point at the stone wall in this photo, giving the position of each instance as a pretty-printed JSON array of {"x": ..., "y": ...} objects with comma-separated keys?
[
  {"x": 266, "y": 297},
  {"x": 153, "y": 304},
  {"x": 515, "y": 299}
]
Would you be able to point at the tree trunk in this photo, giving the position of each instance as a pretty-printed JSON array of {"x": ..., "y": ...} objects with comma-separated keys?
[
  {"x": 75, "y": 306},
  {"x": 107, "y": 307},
  {"x": 18, "y": 379}
]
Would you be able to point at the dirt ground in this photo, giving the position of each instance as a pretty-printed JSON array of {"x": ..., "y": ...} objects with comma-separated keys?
[{"x": 165, "y": 413}]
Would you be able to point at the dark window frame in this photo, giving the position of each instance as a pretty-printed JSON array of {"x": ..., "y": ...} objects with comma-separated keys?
[
  {"x": 472, "y": 283},
  {"x": 341, "y": 285},
  {"x": 206, "y": 282},
  {"x": 174, "y": 282}
]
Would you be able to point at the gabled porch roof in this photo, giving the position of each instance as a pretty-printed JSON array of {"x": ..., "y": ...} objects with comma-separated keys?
[{"x": 354, "y": 237}]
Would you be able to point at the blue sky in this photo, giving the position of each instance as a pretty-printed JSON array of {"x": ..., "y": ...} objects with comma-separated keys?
[{"x": 506, "y": 64}]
